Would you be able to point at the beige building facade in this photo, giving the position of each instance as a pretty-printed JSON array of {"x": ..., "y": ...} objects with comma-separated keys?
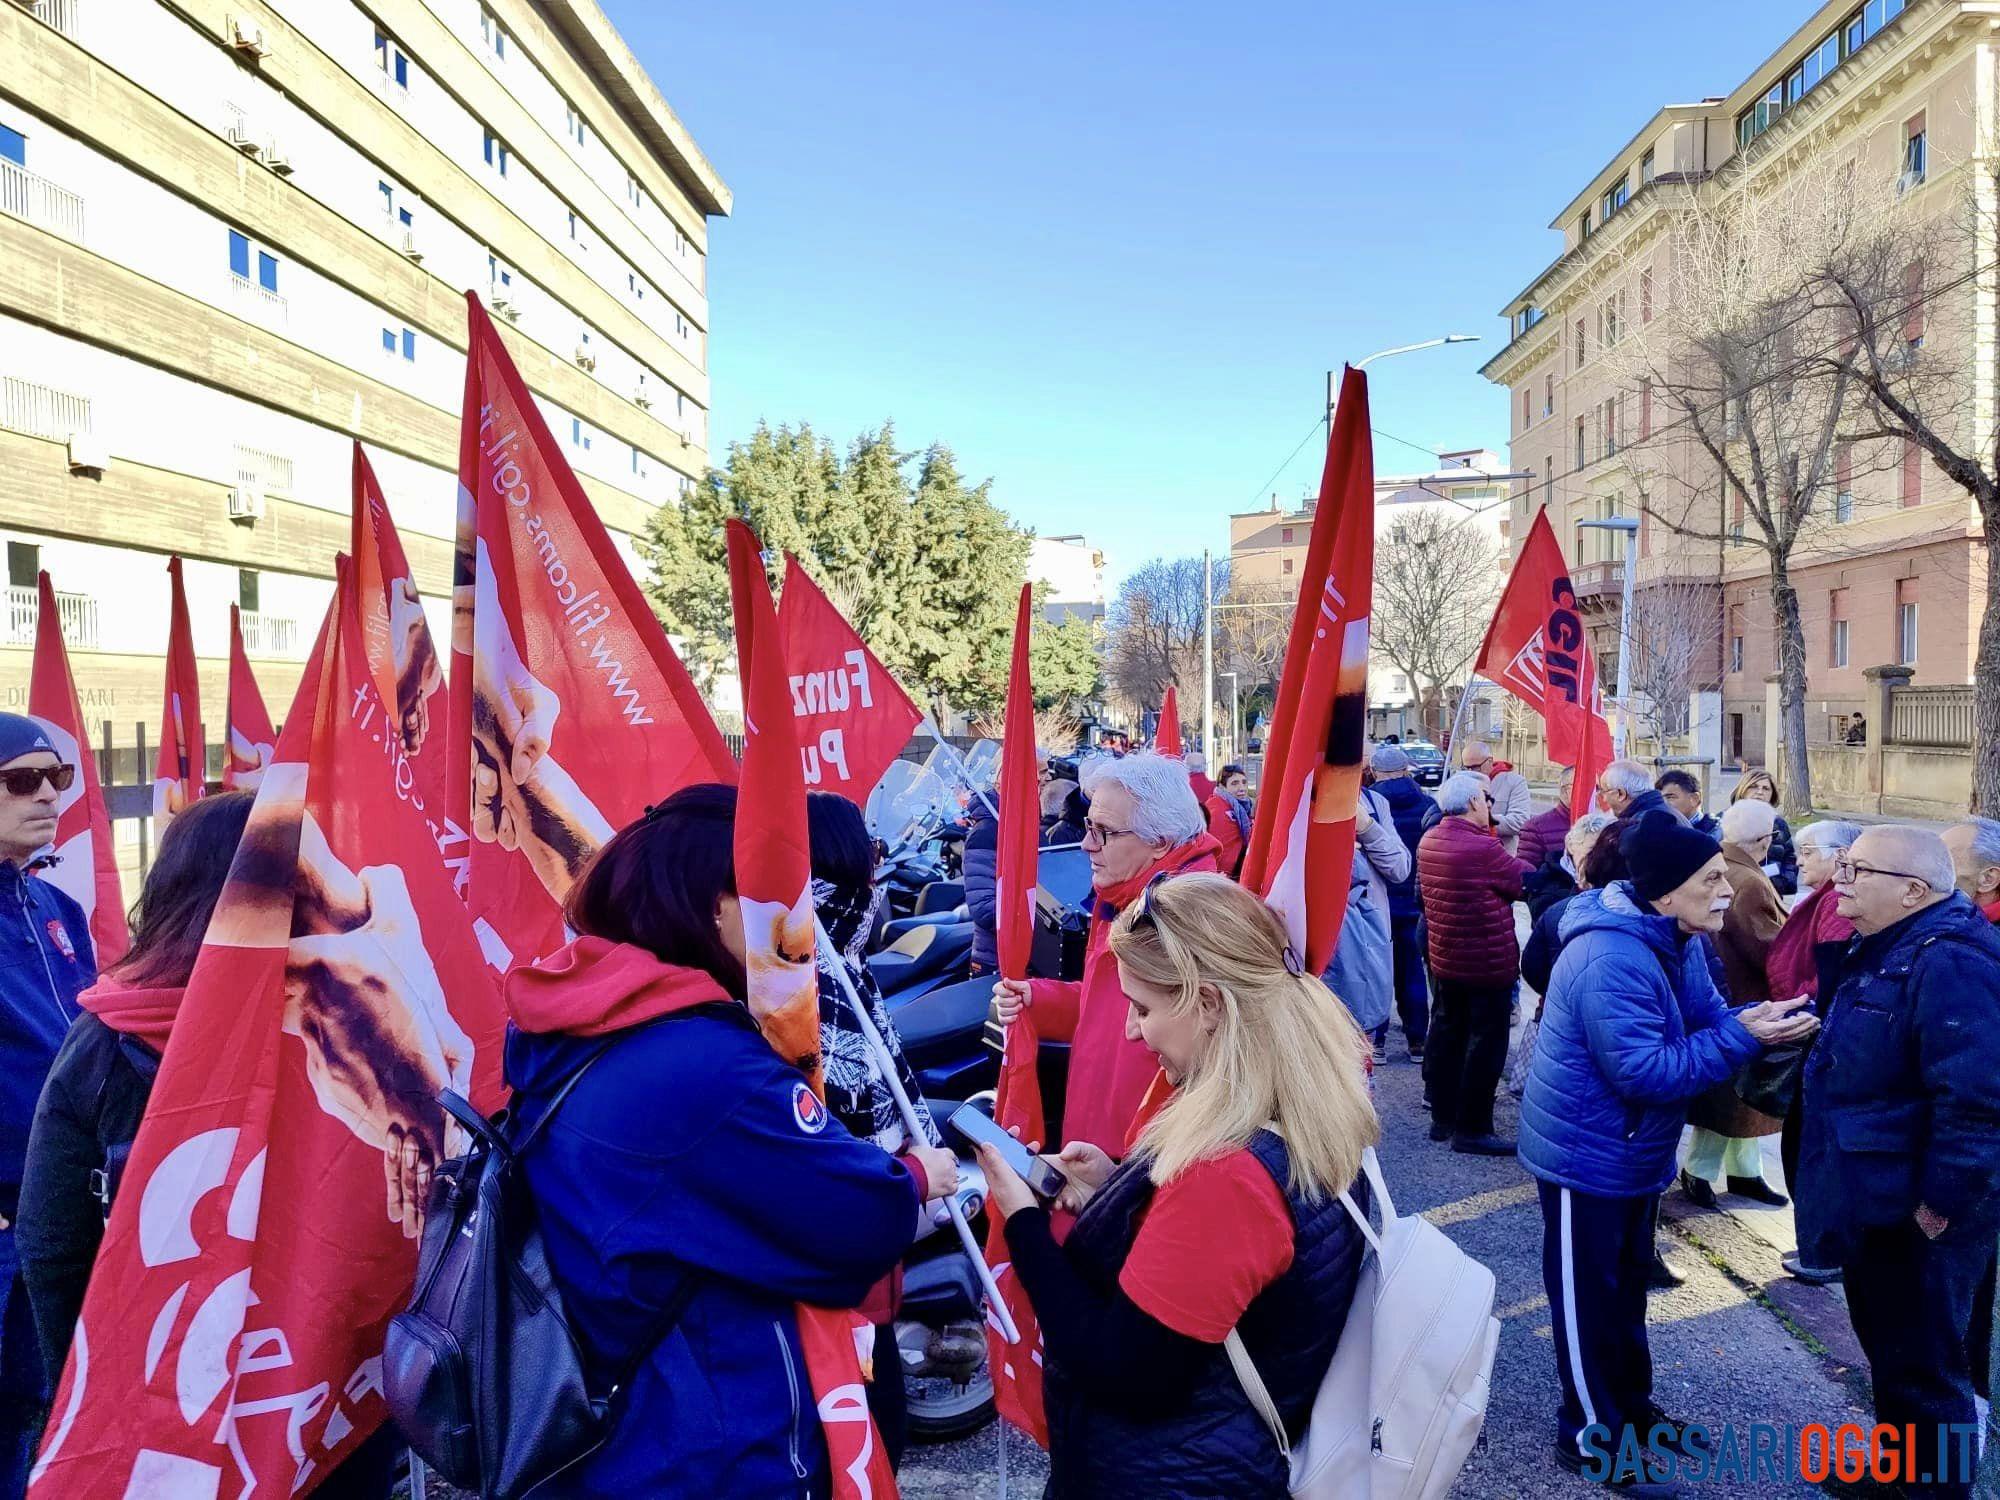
[
  {"x": 234, "y": 238},
  {"x": 1893, "y": 572}
]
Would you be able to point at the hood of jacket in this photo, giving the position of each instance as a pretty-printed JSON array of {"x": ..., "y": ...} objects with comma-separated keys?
[
  {"x": 591, "y": 987},
  {"x": 143, "y": 1012},
  {"x": 1616, "y": 909}
]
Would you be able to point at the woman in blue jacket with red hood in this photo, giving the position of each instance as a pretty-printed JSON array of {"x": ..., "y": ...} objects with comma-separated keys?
[{"x": 689, "y": 1190}]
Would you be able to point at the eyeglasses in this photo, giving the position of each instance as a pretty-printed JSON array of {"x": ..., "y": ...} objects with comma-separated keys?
[
  {"x": 1102, "y": 834},
  {"x": 23, "y": 781},
  {"x": 1846, "y": 871}
]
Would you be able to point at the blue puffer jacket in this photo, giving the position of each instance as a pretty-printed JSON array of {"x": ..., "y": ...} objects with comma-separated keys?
[
  {"x": 692, "y": 1149},
  {"x": 981, "y": 874},
  {"x": 1414, "y": 812},
  {"x": 46, "y": 961},
  {"x": 1632, "y": 1030}
]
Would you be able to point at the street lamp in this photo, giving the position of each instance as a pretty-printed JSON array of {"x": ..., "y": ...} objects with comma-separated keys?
[
  {"x": 1333, "y": 376},
  {"x": 1629, "y": 525}
]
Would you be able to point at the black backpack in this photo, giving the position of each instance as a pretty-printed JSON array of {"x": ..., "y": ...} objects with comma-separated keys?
[{"x": 483, "y": 1372}]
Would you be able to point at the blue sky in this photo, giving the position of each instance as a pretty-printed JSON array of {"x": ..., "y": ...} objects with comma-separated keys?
[{"x": 1107, "y": 251}]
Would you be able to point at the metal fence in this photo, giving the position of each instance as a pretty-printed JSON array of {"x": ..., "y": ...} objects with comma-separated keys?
[
  {"x": 1933, "y": 717},
  {"x": 45, "y": 204}
]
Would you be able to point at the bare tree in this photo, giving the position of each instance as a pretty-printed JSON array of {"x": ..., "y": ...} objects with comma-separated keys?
[
  {"x": 1155, "y": 629},
  {"x": 1676, "y": 650},
  {"x": 1436, "y": 584},
  {"x": 1252, "y": 626},
  {"x": 1747, "y": 380}
]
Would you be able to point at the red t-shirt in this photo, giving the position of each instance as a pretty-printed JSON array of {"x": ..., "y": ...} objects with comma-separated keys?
[{"x": 1209, "y": 1242}]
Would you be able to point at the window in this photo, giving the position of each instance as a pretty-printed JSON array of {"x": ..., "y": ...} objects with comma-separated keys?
[
  {"x": 1913, "y": 473},
  {"x": 388, "y": 341},
  {"x": 1843, "y": 482},
  {"x": 1285, "y": 536},
  {"x": 1645, "y": 409},
  {"x": 247, "y": 590},
  {"x": 1549, "y": 468},
  {"x": 635, "y": 286},
  {"x": 1906, "y": 622},
  {"x": 267, "y": 270},
  {"x": 1609, "y": 319},
  {"x": 24, "y": 565},
  {"x": 1646, "y": 295},
  {"x": 574, "y": 126},
  {"x": 572, "y": 224},
  {"x": 1837, "y": 655},
  {"x": 579, "y": 435},
  {"x": 1736, "y": 653},
  {"x": 239, "y": 255},
  {"x": 1615, "y": 198},
  {"x": 1580, "y": 335},
  {"x": 388, "y": 196},
  {"x": 497, "y": 155},
  {"x": 1288, "y": 567},
  {"x": 1527, "y": 405},
  {"x": 1610, "y": 426},
  {"x": 1548, "y": 395},
  {"x": 13, "y": 146},
  {"x": 1647, "y": 169},
  {"x": 1736, "y": 519},
  {"x": 1915, "y": 154},
  {"x": 1580, "y": 441},
  {"x": 633, "y": 191},
  {"x": 410, "y": 345},
  {"x": 390, "y": 59},
  {"x": 1583, "y": 227},
  {"x": 492, "y": 32},
  {"x": 1399, "y": 683},
  {"x": 498, "y": 276},
  {"x": 1913, "y": 309},
  {"x": 635, "y": 459}
]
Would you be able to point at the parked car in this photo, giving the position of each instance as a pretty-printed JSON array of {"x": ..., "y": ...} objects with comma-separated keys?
[{"x": 1427, "y": 763}]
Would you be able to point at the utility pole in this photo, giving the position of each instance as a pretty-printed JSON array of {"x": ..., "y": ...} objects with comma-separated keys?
[{"x": 1207, "y": 662}]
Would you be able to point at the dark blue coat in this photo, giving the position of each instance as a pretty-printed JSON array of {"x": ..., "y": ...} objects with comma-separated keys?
[
  {"x": 689, "y": 1150},
  {"x": 1414, "y": 812},
  {"x": 1632, "y": 1029},
  {"x": 1903, "y": 1086},
  {"x": 981, "y": 874}
]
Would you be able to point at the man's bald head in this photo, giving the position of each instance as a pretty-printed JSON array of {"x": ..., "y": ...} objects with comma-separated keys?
[
  {"x": 1475, "y": 755},
  {"x": 1893, "y": 872}
]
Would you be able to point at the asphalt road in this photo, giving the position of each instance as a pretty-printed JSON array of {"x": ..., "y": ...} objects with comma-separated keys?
[{"x": 1720, "y": 1353}]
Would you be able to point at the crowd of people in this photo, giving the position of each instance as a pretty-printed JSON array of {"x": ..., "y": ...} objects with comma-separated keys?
[{"x": 1218, "y": 1104}]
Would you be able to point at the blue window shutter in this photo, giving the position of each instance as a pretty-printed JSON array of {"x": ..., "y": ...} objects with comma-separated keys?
[
  {"x": 13, "y": 146},
  {"x": 389, "y": 340},
  {"x": 409, "y": 345},
  {"x": 239, "y": 255},
  {"x": 267, "y": 270}
]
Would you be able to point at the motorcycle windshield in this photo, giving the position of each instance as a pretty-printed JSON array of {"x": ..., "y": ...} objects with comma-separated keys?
[{"x": 906, "y": 805}]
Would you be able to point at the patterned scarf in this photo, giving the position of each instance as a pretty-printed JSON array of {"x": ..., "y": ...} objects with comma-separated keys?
[{"x": 856, "y": 1092}]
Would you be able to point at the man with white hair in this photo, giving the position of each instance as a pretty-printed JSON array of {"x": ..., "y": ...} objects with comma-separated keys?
[
  {"x": 1902, "y": 1137},
  {"x": 1506, "y": 788},
  {"x": 1144, "y": 822},
  {"x": 1975, "y": 854},
  {"x": 1626, "y": 792}
]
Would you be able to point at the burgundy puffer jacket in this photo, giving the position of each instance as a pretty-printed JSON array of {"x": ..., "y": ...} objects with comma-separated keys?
[
  {"x": 1469, "y": 885},
  {"x": 1543, "y": 835}
]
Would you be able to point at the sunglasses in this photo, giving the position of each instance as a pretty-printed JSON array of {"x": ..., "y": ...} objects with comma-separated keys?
[
  {"x": 23, "y": 781},
  {"x": 1293, "y": 964}
]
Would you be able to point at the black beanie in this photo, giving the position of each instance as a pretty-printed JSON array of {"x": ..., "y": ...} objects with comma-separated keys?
[{"x": 1661, "y": 853}]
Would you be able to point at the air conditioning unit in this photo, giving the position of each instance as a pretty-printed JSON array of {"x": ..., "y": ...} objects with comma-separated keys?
[
  {"x": 247, "y": 37},
  {"x": 410, "y": 246},
  {"x": 276, "y": 159},
  {"x": 246, "y": 503},
  {"x": 584, "y": 358},
  {"x": 641, "y": 400},
  {"x": 244, "y": 139},
  {"x": 86, "y": 454}
]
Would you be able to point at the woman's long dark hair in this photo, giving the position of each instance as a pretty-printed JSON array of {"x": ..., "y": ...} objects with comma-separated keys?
[
  {"x": 656, "y": 884},
  {"x": 171, "y": 915},
  {"x": 842, "y": 853}
]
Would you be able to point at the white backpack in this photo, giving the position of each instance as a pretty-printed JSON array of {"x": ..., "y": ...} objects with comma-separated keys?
[{"x": 1404, "y": 1399}]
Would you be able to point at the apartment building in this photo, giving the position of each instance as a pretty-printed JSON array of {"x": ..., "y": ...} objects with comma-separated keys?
[
  {"x": 235, "y": 237},
  {"x": 1072, "y": 570},
  {"x": 1469, "y": 486},
  {"x": 1892, "y": 573}
]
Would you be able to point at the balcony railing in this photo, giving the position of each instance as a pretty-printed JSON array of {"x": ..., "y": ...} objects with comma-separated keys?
[
  {"x": 268, "y": 635},
  {"x": 258, "y": 469},
  {"x": 42, "y": 410},
  {"x": 1936, "y": 717},
  {"x": 258, "y": 304},
  {"x": 40, "y": 202},
  {"x": 1593, "y": 579},
  {"x": 60, "y": 14},
  {"x": 77, "y": 612}
]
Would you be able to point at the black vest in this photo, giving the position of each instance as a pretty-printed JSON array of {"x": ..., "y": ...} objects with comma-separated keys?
[{"x": 1210, "y": 1445}]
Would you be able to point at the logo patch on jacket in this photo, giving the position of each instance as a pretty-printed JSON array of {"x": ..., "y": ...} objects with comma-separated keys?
[
  {"x": 807, "y": 1112},
  {"x": 59, "y": 935}
]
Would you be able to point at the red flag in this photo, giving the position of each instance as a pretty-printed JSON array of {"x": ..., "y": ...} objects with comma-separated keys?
[
  {"x": 402, "y": 655},
  {"x": 853, "y": 718},
  {"x": 1167, "y": 733},
  {"x": 1302, "y": 841},
  {"x": 178, "y": 775},
  {"x": 231, "y": 1338},
  {"x": 87, "y": 864},
  {"x": 1537, "y": 649},
  {"x": 774, "y": 890},
  {"x": 1017, "y": 1368},
  {"x": 251, "y": 739},
  {"x": 570, "y": 711}
]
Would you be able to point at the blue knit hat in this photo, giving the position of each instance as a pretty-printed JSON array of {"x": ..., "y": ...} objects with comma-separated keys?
[{"x": 21, "y": 735}]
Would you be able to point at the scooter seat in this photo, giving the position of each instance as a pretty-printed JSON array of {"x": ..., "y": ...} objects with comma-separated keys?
[{"x": 944, "y": 1021}]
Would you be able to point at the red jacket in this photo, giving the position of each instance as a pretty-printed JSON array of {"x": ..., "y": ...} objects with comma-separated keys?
[
  {"x": 1108, "y": 1075},
  {"x": 1792, "y": 967},
  {"x": 1222, "y": 828},
  {"x": 1469, "y": 885},
  {"x": 1543, "y": 835}
]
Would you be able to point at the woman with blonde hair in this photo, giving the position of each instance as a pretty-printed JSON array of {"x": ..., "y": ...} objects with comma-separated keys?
[
  {"x": 1781, "y": 865},
  {"x": 1225, "y": 1216}
]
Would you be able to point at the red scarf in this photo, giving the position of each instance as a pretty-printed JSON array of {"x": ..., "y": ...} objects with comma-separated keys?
[
  {"x": 144, "y": 1013},
  {"x": 1991, "y": 909}
]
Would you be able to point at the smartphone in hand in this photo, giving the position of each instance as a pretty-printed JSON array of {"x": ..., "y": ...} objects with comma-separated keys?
[{"x": 973, "y": 1124}]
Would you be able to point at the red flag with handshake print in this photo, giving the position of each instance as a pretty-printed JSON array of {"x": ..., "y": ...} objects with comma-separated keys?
[
  {"x": 403, "y": 659},
  {"x": 264, "y": 1232},
  {"x": 180, "y": 771},
  {"x": 251, "y": 740},
  {"x": 1538, "y": 650},
  {"x": 774, "y": 891},
  {"x": 1017, "y": 1367},
  {"x": 86, "y": 865},
  {"x": 570, "y": 712},
  {"x": 1302, "y": 842},
  {"x": 853, "y": 718}
]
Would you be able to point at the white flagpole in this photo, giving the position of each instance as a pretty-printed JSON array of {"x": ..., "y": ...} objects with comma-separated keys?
[{"x": 887, "y": 1064}]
